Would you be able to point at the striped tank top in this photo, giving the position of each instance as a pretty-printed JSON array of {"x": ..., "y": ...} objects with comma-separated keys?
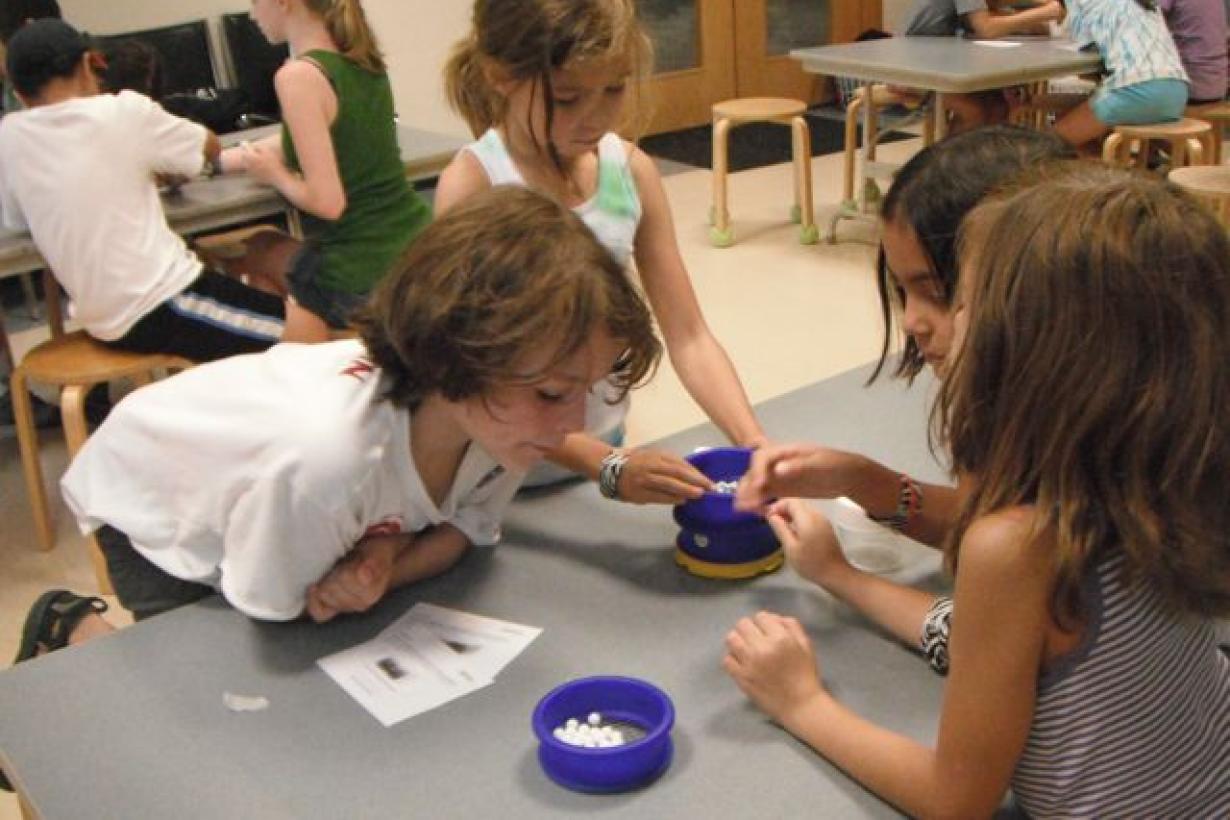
[
  {"x": 1135, "y": 722},
  {"x": 613, "y": 213}
]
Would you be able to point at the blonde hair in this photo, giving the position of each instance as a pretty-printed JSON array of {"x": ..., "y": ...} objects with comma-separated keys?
[
  {"x": 1092, "y": 382},
  {"x": 500, "y": 275},
  {"x": 348, "y": 27},
  {"x": 525, "y": 40}
]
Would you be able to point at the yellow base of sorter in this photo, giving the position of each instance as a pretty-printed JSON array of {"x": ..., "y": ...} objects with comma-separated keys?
[{"x": 729, "y": 572}]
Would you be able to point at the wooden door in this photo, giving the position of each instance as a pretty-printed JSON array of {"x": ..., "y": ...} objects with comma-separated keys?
[
  {"x": 712, "y": 50},
  {"x": 693, "y": 60}
]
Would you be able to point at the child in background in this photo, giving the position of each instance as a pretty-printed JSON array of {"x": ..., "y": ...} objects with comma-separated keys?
[
  {"x": 339, "y": 471},
  {"x": 544, "y": 82},
  {"x": 1199, "y": 31},
  {"x": 1145, "y": 81},
  {"x": 337, "y": 161},
  {"x": 918, "y": 280},
  {"x": 980, "y": 18},
  {"x": 1091, "y": 549},
  {"x": 77, "y": 169},
  {"x": 13, "y": 15}
]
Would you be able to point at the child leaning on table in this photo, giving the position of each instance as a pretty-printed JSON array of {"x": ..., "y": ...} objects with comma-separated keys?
[
  {"x": 918, "y": 282},
  {"x": 544, "y": 84},
  {"x": 311, "y": 479},
  {"x": 1145, "y": 80},
  {"x": 336, "y": 160},
  {"x": 1083, "y": 408}
]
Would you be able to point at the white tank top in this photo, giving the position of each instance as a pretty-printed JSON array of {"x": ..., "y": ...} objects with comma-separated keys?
[{"x": 612, "y": 213}]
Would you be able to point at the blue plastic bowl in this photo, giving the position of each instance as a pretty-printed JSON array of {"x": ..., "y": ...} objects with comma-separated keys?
[
  {"x": 615, "y": 768},
  {"x": 711, "y": 529}
]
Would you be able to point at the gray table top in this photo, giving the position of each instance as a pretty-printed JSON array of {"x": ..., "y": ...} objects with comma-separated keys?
[
  {"x": 138, "y": 720},
  {"x": 950, "y": 65}
]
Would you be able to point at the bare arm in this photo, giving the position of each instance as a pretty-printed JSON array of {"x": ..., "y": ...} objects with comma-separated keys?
[
  {"x": 815, "y": 471},
  {"x": 380, "y": 563},
  {"x": 698, "y": 357},
  {"x": 309, "y": 107},
  {"x": 990, "y": 25},
  {"x": 999, "y": 633}
]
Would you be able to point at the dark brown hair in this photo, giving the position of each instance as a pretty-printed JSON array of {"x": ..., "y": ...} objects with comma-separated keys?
[
  {"x": 1092, "y": 382},
  {"x": 505, "y": 272},
  {"x": 933, "y": 192},
  {"x": 525, "y": 40}
]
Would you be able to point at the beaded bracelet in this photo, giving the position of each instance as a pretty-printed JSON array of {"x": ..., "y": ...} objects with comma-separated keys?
[{"x": 909, "y": 505}]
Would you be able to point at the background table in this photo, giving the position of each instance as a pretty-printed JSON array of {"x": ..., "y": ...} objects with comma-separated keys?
[
  {"x": 133, "y": 725},
  {"x": 944, "y": 65}
]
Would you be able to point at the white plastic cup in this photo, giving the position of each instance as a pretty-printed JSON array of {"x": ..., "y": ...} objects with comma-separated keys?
[{"x": 869, "y": 546}]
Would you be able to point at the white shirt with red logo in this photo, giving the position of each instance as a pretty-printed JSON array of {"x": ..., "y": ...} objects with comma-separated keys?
[{"x": 255, "y": 474}]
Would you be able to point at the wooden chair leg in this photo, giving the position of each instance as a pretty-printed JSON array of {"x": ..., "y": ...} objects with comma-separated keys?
[
  {"x": 720, "y": 232},
  {"x": 808, "y": 233},
  {"x": 102, "y": 577},
  {"x": 929, "y": 127},
  {"x": 873, "y": 130},
  {"x": 72, "y": 414},
  {"x": 32, "y": 468},
  {"x": 847, "y": 181},
  {"x": 55, "y": 311},
  {"x": 1110, "y": 149}
]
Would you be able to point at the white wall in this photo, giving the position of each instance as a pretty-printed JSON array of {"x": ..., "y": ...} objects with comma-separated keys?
[{"x": 415, "y": 34}]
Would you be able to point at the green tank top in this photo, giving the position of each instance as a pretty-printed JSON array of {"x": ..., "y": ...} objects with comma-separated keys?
[{"x": 383, "y": 212}]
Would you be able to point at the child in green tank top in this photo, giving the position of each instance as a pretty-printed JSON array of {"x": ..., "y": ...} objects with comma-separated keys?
[{"x": 337, "y": 161}]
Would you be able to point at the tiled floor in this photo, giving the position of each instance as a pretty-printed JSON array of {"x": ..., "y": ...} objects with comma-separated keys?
[{"x": 787, "y": 314}]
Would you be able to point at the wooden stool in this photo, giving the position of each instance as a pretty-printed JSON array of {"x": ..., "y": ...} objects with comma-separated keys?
[
  {"x": 74, "y": 362},
  {"x": 1041, "y": 105},
  {"x": 730, "y": 113},
  {"x": 1217, "y": 115},
  {"x": 881, "y": 97},
  {"x": 1191, "y": 142},
  {"x": 1210, "y": 183}
]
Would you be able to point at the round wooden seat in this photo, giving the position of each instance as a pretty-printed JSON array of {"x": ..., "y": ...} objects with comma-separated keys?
[
  {"x": 730, "y": 113},
  {"x": 75, "y": 358},
  {"x": 1208, "y": 182},
  {"x": 1217, "y": 115},
  {"x": 759, "y": 109},
  {"x": 1191, "y": 142},
  {"x": 74, "y": 362}
]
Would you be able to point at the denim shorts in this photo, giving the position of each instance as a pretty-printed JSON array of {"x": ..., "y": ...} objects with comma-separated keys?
[
  {"x": 1141, "y": 103},
  {"x": 303, "y": 280}
]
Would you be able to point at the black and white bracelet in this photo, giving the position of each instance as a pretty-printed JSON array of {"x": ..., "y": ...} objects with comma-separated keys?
[{"x": 609, "y": 472}]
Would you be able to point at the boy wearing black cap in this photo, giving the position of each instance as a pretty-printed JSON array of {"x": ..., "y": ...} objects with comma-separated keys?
[{"x": 77, "y": 170}]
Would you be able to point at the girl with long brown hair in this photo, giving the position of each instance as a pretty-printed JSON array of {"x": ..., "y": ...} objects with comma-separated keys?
[
  {"x": 337, "y": 160},
  {"x": 1083, "y": 404}
]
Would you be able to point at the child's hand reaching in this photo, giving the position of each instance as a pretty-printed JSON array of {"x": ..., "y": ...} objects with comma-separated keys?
[
  {"x": 263, "y": 162},
  {"x": 796, "y": 470},
  {"x": 772, "y": 661},
  {"x": 357, "y": 581},
  {"x": 810, "y": 544},
  {"x": 659, "y": 477}
]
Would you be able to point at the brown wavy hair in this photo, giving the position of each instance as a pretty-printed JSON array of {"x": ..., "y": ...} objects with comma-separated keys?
[
  {"x": 525, "y": 40},
  {"x": 490, "y": 281},
  {"x": 1092, "y": 382},
  {"x": 347, "y": 25}
]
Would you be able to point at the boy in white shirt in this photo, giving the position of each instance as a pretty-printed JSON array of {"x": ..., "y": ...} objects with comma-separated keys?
[
  {"x": 311, "y": 479},
  {"x": 77, "y": 169}
]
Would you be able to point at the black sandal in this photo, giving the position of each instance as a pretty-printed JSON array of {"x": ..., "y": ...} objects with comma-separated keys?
[
  {"x": 49, "y": 623},
  {"x": 52, "y": 619}
]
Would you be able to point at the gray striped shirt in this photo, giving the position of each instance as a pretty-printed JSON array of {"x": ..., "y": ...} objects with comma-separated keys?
[{"x": 1136, "y": 721}]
